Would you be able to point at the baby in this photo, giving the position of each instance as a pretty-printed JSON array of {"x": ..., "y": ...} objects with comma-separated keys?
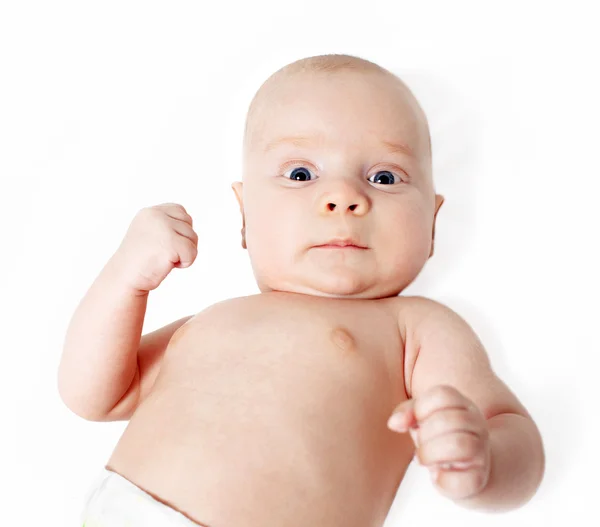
[{"x": 302, "y": 405}]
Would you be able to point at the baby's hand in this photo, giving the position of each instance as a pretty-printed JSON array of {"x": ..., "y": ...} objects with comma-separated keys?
[
  {"x": 159, "y": 238},
  {"x": 451, "y": 437}
]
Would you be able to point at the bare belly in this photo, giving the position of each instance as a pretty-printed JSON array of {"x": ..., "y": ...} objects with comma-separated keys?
[{"x": 272, "y": 410}]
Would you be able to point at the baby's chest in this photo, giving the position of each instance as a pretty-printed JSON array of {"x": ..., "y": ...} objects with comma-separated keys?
[{"x": 297, "y": 343}]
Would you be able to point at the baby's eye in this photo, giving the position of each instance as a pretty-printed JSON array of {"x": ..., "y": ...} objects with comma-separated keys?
[
  {"x": 303, "y": 174},
  {"x": 386, "y": 176},
  {"x": 298, "y": 174}
]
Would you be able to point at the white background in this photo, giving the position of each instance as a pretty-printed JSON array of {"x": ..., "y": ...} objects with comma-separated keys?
[{"x": 108, "y": 107}]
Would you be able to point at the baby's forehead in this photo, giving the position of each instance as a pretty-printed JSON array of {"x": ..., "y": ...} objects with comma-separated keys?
[
  {"x": 288, "y": 108},
  {"x": 282, "y": 96},
  {"x": 318, "y": 86},
  {"x": 272, "y": 133}
]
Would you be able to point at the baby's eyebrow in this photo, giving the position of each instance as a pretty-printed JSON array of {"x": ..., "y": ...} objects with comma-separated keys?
[{"x": 306, "y": 140}]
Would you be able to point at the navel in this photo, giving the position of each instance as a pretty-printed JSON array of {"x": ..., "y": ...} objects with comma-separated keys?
[{"x": 343, "y": 339}]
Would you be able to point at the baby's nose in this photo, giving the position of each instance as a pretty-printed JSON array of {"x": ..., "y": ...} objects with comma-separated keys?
[
  {"x": 343, "y": 202},
  {"x": 332, "y": 206}
]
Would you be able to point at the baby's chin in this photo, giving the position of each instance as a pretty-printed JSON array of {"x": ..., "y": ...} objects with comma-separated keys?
[{"x": 334, "y": 288}]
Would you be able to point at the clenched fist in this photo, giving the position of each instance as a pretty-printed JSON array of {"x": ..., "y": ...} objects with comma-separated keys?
[
  {"x": 451, "y": 437},
  {"x": 159, "y": 238}
]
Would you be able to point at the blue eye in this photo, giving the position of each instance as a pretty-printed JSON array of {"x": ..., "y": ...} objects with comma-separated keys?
[
  {"x": 387, "y": 175},
  {"x": 300, "y": 173}
]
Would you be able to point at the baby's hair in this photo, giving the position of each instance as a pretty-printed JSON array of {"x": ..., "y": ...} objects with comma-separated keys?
[{"x": 329, "y": 63}]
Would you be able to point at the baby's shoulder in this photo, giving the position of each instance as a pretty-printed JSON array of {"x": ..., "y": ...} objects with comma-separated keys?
[
  {"x": 415, "y": 308},
  {"x": 419, "y": 314}
]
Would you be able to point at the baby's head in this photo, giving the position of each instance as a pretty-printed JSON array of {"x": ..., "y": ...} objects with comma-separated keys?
[{"x": 336, "y": 147}]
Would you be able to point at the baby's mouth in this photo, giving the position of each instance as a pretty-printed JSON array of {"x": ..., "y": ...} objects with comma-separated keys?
[
  {"x": 346, "y": 247},
  {"x": 342, "y": 243}
]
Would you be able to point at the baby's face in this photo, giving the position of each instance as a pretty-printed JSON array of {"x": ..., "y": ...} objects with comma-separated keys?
[{"x": 344, "y": 175}]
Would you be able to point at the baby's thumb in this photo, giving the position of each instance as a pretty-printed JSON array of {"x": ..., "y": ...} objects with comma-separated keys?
[{"x": 402, "y": 416}]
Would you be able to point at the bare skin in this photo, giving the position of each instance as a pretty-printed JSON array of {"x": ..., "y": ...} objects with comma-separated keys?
[
  {"x": 272, "y": 409},
  {"x": 281, "y": 423},
  {"x": 255, "y": 429}
]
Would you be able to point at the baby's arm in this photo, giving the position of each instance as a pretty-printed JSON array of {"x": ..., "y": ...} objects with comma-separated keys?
[
  {"x": 443, "y": 350},
  {"x": 106, "y": 368},
  {"x": 99, "y": 359}
]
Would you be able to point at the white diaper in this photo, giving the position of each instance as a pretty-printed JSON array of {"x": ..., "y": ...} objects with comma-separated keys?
[{"x": 114, "y": 501}]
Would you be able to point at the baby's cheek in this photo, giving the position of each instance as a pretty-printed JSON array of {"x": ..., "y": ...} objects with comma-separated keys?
[
  {"x": 408, "y": 237},
  {"x": 404, "y": 253},
  {"x": 269, "y": 255}
]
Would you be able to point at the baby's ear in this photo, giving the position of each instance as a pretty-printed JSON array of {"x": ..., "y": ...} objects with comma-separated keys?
[
  {"x": 439, "y": 199},
  {"x": 237, "y": 189}
]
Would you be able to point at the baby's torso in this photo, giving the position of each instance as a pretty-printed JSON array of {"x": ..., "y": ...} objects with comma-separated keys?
[{"x": 272, "y": 410}]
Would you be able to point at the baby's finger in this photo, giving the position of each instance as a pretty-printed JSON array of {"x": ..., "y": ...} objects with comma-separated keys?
[
  {"x": 187, "y": 252},
  {"x": 439, "y": 398},
  {"x": 448, "y": 420},
  {"x": 403, "y": 416},
  {"x": 184, "y": 229},
  {"x": 460, "y": 483},
  {"x": 176, "y": 211},
  {"x": 450, "y": 448}
]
